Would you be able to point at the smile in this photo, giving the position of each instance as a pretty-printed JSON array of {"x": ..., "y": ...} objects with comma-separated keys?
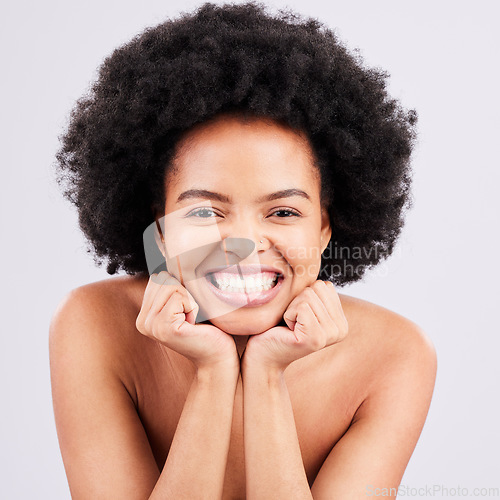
[
  {"x": 248, "y": 283},
  {"x": 245, "y": 287}
]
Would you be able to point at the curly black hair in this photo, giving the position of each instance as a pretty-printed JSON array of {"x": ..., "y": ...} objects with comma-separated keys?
[{"x": 121, "y": 137}]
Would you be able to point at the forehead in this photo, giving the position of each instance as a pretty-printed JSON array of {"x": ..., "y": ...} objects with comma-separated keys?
[{"x": 246, "y": 150}]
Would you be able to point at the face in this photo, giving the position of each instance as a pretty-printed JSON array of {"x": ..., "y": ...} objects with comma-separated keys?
[{"x": 234, "y": 185}]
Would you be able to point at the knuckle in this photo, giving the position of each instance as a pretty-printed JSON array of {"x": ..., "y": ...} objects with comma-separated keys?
[
  {"x": 175, "y": 326},
  {"x": 303, "y": 306},
  {"x": 162, "y": 278},
  {"x": 146, "y": 321},
  {"x": 345, "y": 327},
  {"x": 139, "y": 323},
  {"x": 317, "y": 342},
  {"x": 339, "y": 334},
  {"x": 318, "y": 284},
  {"x": 158, "y": 331},
  {"x": 177, "y": 294},
  {"x": 335, "y": 336}
]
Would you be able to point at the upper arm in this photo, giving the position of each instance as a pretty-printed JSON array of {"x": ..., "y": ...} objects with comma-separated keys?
[
  {"x": 104, "y": 447},
  {"x": 375, "y": 450}
]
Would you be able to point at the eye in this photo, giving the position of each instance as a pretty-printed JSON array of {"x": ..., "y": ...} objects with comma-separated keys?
[
  {"x": 201, "y": 213},
  {"x": 288, "y": 211}
]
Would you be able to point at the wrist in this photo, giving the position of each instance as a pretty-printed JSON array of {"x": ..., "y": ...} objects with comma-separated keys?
[
  {"x": 257, "y": 369},
  {"x": 257, "y": 361},
  {"x": 224, "y": 372}
]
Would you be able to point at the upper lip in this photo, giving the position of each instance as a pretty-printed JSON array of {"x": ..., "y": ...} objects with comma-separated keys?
[{"x": 247, "y": 269}]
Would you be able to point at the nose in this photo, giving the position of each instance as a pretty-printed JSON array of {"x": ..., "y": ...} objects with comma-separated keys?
[
  {"x": 240, "y": 247},
  {"x": 242, "y": 235}
]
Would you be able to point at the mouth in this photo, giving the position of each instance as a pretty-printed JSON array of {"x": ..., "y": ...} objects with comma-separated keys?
[
  {"x": 242, "y": 286},
  {"x": 247, "y": 283}
]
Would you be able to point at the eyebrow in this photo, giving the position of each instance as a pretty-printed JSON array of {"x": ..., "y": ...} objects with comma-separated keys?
[{"x": 211, "y": 195}]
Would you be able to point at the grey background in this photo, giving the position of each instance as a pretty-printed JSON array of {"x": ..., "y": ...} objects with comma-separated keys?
[{"x": 443, "y": 61}]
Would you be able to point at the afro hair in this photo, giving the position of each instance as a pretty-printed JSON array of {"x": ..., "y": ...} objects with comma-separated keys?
[{"x": 121, "y": 137}]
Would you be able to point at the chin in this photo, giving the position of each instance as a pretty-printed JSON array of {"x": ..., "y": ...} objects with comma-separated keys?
[{"x": 234, "y": 325}]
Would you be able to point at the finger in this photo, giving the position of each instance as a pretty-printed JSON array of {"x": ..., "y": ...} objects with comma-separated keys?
[
  {"x": 159, "y": 279},
  {"x": 313, "y": 335},
  {"x": 155, "y": 284},
  {"x": 329, "y": 330},
  {"x": 150, "y": 292},
  {"x": 307, "y": 295},
  {"x": 160, "y": 282},
  {"x": 166, "y": 294},
  {"x": 305, "y": 325},
  {"x": 325, "y": 330},
  {"x": 173, "y": 281},
  {"x": 174, "y": 315},
  {"x": 167, "y": 322},
  {"x": 290, "y": 315},
  {"x": 318, "y": 307},
  {"x": 328, "y": 294}
]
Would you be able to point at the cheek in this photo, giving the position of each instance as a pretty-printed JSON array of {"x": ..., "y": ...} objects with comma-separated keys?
[
  {"x": 181, "y": 237},
  {"x": 305, "y": 262},
  {"x": 186, "y": 249}
]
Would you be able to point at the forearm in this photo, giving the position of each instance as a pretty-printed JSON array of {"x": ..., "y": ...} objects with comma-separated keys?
[
  {"x": 196, "y": 462},
  {"x": 273, "y": 462}
]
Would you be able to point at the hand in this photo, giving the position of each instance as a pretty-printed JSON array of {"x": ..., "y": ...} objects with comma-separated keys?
[
  {"x": 315, "y": 320},
  {"x": 168, "y": 315}
]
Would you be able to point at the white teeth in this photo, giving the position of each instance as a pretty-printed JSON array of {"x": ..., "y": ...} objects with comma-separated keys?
[{"x": 251, "y": 283}]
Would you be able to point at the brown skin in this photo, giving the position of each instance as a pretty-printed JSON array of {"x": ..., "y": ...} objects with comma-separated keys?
[
  {"x": 245, "y": 161},
  {"x": 343, "y": 382}
]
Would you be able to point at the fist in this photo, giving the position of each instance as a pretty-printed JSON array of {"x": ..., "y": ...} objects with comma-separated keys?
[
  {"x": 314, "y": 319},
  {"x": 168, "y": 315}
]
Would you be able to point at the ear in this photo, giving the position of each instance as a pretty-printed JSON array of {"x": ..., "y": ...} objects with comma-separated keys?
[
  {"x": 159, "y": 231},
  {"x": 326, "y": 229}
]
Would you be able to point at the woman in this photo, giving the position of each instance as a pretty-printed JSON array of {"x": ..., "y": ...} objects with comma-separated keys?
[{"x": 272, "y": 166}]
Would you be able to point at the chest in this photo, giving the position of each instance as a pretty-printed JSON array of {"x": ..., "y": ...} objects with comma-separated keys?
[{"x": 324, "y": 399}]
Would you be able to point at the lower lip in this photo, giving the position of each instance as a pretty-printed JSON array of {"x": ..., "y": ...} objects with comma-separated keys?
[{"x": 243, "y": 299}]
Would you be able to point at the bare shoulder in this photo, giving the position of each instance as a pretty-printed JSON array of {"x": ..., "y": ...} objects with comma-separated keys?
[
  {"x": 98, "y": 318},
  {"x": 389, "y": 363},
  {"x": 396, "y": 366},
  {"x": 388, "y": 341},
  {"x": 119, "y": 289},
  {"x": 92, "y": 349},
  {"x": 382, "y": 324},
  {"x": 105, "y": 301}
]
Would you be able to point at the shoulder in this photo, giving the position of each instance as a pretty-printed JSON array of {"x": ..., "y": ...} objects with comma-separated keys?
[
  {"x": 381, "y": 326},
  {"x": 97, "y": 320},
  {"x": 393, "y": 363},
  {"x": 389, "y": 345},
  {"x": 118, "y": 287},
  {"x": 95, "y": 398},
  {"x": 101, "y": 301}
]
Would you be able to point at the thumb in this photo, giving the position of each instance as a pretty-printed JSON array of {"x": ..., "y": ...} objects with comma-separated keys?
[{"x": 191, "y": 309}]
